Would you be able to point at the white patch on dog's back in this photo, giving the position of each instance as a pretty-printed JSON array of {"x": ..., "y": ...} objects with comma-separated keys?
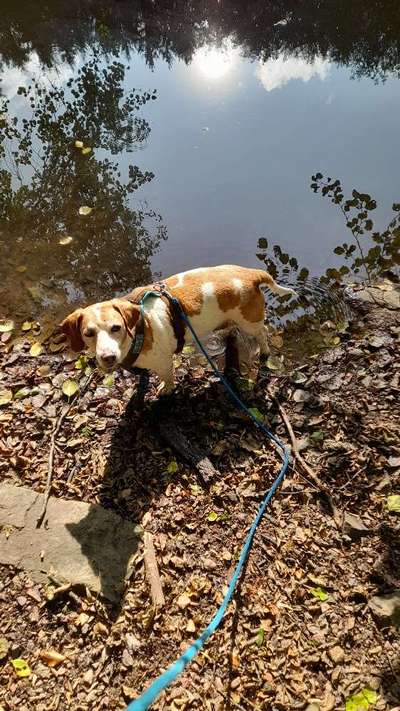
[
  {"x": 237, "y": 283},
  {"x": 208, "y": 289}
]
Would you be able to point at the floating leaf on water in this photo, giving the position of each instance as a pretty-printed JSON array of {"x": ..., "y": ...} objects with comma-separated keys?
[
  {"x": 320, "y": 593},
  {"x": 51, "y": 657},
  {"x": 6, "y": 325},
  {"x": 5, "y": 397},
  {"x": 393, "y": 502},
  {"x": 260, "y": 637},
  {"x": 301, "y": 396},
  {"x": 274, "y": 363},
  {"x": 65, "y": 240},
  {"x": 172, "y": 467},
  {"x": 86, "y": 150},
  {"x": 108, "y": 381},
  {"x": 85, "y": 210},
  {"x": 212, "y": 516},
  {"x": 257, "y": 414},
  {"x": 361, "y": 701},
  {"x": 35, "y": 349},
  {"x": 27, "y": 325},
  {"x": 21, "y": 667},
  {"x": 78, "y": 144},
  {"x": 70, "y": 387},
  {"x": 21, "y": 269}
]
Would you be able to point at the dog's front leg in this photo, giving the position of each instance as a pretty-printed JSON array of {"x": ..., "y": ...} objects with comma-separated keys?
[{"x": 165, "y": 372}]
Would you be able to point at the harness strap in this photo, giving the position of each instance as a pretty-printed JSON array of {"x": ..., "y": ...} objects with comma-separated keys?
[{"x": 138, "y": 297}]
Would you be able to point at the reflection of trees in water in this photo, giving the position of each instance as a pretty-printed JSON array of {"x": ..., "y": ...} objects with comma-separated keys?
[
  {"x": 369, "y": 254},
  {"x": 361, "y": 34},
  {"x": 45, "y": 178}
]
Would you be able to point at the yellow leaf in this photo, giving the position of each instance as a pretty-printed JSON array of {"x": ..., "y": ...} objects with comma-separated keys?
[
  {"x": 6, "y": 325},
  {"x": 5, "y": 397},
  {"x": 70, "y": 387},
  {"x": 26, "y": 326},
  {"x": 86, "y": 150},
  {"x": 21, "y": 269},
  {"x": 65, "y": 240},
  {"x": 78, "y": 144},
  {"x": 172, "y": 467},
  {"x": 35, "y": 349},
  {"x": 21, "y": 667},
  {"x": 51, "y": 657},
  {"x": 85, "y": 210}
]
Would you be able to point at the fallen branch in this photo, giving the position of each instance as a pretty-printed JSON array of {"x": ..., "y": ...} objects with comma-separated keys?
[
  {"x": 153, "y": 575},
  {"x": 188, "y": 450},
  {"x": 295, "y": 447},
  {"x": 54, "y": 434}
]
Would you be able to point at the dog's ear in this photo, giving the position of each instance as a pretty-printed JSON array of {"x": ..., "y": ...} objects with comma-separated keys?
[
  {"x": 130, "y": 312},
  {"x": 71, "y": 326}
]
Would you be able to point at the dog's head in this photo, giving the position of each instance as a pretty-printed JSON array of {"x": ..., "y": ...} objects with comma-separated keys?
[{"x": 104, "y": 329}]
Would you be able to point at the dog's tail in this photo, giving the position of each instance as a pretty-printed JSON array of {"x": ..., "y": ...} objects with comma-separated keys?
[{"x": 266, "y": 278}]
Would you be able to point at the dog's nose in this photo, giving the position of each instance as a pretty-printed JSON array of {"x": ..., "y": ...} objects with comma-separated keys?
[{"x": 109, "y": 359}]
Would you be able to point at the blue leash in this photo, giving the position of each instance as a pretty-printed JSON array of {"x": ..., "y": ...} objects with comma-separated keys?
[{"x": 145, "y": 700}]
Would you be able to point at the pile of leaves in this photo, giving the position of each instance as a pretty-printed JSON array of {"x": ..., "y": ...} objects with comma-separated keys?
[{"x": 305, "y": 630}]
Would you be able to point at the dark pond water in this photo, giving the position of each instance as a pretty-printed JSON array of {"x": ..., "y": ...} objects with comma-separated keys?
[{"x": 205, "y": 122}]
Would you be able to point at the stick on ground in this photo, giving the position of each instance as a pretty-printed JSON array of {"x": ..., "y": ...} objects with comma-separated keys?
[{"x": 153, "y": 575}]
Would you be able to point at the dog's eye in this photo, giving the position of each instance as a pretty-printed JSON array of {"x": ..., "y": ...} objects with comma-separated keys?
[
  {"x": 89, "y": 333},
  {"x": 115, "y": 327}
]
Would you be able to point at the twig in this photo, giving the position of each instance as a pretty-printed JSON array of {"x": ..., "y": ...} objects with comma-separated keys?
[
  {"x": 295, "y": 447},
  {"x": 60, "y": 420},
  {"x": 153, "y": 575}
]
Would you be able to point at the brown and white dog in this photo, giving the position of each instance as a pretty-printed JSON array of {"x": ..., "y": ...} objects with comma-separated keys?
[{"x": 211, "y": 297}]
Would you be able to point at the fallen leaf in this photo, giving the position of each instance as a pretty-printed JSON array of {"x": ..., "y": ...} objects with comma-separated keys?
[
  {"x": 362, "y": 700},
  {"x": 190, "y": 627},
  {"x": 6, "y": 325},
  {"x": 56, "y": 347},
  {"x": 21, "y": 393},
  {"x": 5, "y": 397},
  {"x": 51, "y": 657},
  {"x": 70, "y": 387},
  {"x": 320, "y": 593},
  {"x": 393, "y": 462},
  {"x": 65, "y": 240},
  {"x": 85, "y": 210},
  {"x": 86, "y": 150},
  {"x": 78, "y": 144},
  {"x": 21, "y": 269},
  {"x": 301, "y": 396},
  {"x": 35, "y": 349},
  {"x": 276, "y": 340},
  {"x": 21, "y": 667},
  {"x": 260, "y": 637},
  {"x": 172, "y": 467},
  {"x": 81, "y": 362},
  {"x": 299, "y": 378},
  {"x": 4, "y": 646},
  {"x": 317, "y": 436},
  {"x": 27, "y": 325},
  {"x": 393, "y": 502},
  {"x": 257, "y": 414},
  {"x": 183, "y": 601},
  {"x": 212, "y": 516},
  {"x": 274, "y": 363},
  {"x": 108, "y": 381}
]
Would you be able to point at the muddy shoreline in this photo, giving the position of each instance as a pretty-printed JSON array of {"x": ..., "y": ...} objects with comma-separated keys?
[{"x": 303, "y": 631}]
